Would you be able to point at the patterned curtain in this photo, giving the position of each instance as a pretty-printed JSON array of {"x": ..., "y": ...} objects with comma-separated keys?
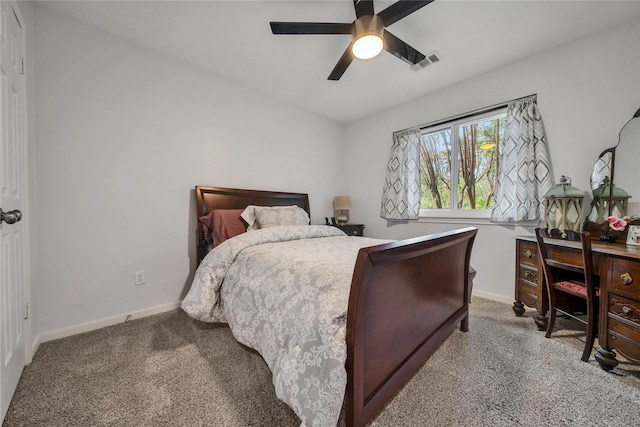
[
  {"x": 401, "y": 192},
  {"x": 524, "y": 173}
]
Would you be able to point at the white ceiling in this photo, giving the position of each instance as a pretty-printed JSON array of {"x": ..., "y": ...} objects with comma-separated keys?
[{"x": 233, "y": 39}]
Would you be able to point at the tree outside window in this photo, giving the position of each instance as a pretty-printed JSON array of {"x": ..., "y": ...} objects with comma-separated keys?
[{"x": 459, "y": 163}]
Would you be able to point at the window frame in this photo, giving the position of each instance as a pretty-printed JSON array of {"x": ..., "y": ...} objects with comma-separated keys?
[{"x": 480, "y": 215}]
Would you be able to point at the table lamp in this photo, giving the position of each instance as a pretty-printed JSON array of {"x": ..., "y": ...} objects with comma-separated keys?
[{"x": 342, "y": 204}]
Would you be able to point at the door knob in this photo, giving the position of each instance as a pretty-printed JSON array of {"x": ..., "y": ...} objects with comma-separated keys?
[{"x": 10, "y": 217}]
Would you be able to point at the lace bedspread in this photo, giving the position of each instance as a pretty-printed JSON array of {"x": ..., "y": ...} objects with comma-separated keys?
[{"x": 284, "y": 292}]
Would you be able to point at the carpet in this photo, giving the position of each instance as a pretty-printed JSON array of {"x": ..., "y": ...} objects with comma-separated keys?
[{"x": 169, "y": 370}]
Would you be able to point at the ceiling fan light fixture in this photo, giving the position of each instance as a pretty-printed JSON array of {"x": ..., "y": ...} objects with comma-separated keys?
[
  {"x": 367, "y": 46},
  {"x": 369, "y": 29},
  {"x": 367, "y": 36}
]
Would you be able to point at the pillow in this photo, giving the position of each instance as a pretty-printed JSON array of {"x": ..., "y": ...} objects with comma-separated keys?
[
  {"x": 273, "y": 216},
  {"x": 249, "y": 216},
  {"x": 222, "y": 224}
]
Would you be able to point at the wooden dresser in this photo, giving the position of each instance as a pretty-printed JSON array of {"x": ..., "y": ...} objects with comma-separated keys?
[
  {"x": 619, "y": 311},
  {"x": 530, "y": 287},
  {"x": 618, "y": 266}
]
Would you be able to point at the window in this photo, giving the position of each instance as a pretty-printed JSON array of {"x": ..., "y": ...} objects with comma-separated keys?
[
  {"x": 491, "y": 165},
  {"x": 459, "y": 164}
]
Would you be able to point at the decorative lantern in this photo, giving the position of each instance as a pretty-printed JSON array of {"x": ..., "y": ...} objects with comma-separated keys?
[
  {"x": 609, "y": 196},
  {"x": 563, "y": 206}
]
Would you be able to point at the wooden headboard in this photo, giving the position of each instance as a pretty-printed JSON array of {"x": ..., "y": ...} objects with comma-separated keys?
[{"x": 210, "y": 198}]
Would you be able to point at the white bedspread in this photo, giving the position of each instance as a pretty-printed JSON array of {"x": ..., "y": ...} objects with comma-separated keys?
[{"x": 284, "y": 292}]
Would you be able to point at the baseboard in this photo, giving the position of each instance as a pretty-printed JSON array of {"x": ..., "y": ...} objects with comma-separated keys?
[
  {"x": 110, "y": 321},
  {"x": 34, "y": 347},
  {"x": 493, "y": 297}
]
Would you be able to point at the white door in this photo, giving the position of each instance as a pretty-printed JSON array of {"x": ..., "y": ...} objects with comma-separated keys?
[{"x": 13, "y": 350}]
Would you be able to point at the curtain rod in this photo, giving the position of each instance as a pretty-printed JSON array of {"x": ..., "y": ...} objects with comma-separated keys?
[{"x": 467, "y": 114}]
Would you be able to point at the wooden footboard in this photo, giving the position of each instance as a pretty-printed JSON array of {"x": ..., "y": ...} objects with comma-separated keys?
[{"x": 406, "y": 298}]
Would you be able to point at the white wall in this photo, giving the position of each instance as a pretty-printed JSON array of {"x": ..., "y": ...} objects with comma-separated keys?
[
  {"x": 27, "y": 10},
  {"x": 123, "y": 135},
  {"x": 586, "y": 91}
]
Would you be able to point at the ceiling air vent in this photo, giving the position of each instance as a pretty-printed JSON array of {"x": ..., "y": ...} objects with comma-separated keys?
[{"x": 431, "y": 58}]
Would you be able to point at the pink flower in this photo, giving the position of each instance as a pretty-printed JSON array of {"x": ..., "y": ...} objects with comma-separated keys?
[{"x": 618, "y": 224}]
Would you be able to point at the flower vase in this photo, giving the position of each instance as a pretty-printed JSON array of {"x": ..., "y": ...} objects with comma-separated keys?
[{"x": 614, "y": 227}]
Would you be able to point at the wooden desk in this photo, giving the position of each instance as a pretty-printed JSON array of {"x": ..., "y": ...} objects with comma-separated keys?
[{"x": 618, "y": 266}]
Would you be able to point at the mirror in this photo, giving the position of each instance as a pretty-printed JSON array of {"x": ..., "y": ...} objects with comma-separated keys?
[
  {"x": 619, "y": 165},
  {"x": 602, "y": 169},
  {"x": 626, "y": 171}
]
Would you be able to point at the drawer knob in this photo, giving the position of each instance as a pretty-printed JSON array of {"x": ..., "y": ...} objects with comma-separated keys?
[
  {"x": 528, "y": 254},
  {"x": 626, "y": 279},
  {"x": 626, "y": 310}
]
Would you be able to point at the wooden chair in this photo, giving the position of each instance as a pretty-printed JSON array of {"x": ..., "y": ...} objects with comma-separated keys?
[{"x": 573, "y": 288}]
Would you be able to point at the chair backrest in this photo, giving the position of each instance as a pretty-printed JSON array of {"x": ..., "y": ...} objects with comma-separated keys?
[{"x": 561, "y": 269}]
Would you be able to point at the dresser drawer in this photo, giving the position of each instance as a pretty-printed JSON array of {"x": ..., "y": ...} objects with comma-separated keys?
[
  {"x": 623, "y": 326},
  {"x": 624, "y": 337},
  {"x": 628, "y": 348},
  {"x": 352, "y": 229},
  {"x": 528, "y": 253},
  {"x": 528, "y": 274},
  {"x": 625, "y": 309},
  {"x": 625, "y": 277},
  {"x": 527, "y": 293}
]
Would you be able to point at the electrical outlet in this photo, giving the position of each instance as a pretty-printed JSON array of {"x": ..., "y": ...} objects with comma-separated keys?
[{"x": 139, "y": 277}]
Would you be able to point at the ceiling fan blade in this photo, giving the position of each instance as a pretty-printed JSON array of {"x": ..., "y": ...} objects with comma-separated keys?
[
  {"x": 310, "y": 28},
  {"x": 399, "y": 10},
  {"x": 397, "y": 47},
  {"x": 363, "y": 7},
  {"x": 343, "y": 63}
]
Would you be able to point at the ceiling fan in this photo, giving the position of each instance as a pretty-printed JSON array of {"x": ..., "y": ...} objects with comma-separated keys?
[{"x": 369, "y": 33}]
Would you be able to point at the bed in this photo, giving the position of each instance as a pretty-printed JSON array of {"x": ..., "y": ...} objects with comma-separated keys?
[{"x": 384, "y": 306}]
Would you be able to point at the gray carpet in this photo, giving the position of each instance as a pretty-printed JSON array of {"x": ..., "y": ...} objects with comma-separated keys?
[{"x": 167, "y": 370}]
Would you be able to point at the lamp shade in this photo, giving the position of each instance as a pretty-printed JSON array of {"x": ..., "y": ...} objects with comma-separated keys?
[{"x": 342, "y": 203}]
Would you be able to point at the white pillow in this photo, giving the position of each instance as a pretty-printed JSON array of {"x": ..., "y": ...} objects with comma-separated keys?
[
  {"x": 250, "y": 217},
  {"x": 273, "y": 216}
]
